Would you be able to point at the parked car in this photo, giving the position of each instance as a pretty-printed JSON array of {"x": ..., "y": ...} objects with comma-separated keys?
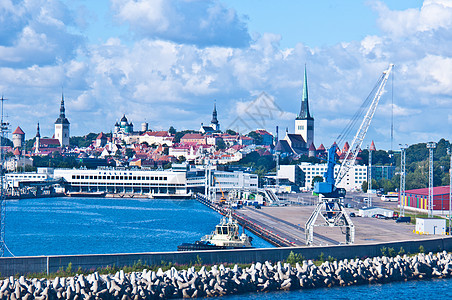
[
  {"x": 352, "y": 214},
  {"x": 379, "y": 216},
  {"x": 403, "y": 220}
]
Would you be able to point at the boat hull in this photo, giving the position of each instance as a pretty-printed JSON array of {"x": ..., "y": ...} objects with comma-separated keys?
[{"x": 204, "y": 246}]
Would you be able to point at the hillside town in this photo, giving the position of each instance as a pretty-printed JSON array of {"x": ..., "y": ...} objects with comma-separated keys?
[{"x": 144, "y": 148}]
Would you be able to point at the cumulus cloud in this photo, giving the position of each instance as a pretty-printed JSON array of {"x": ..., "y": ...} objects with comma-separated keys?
[
  {"x": 198, "y": 22},
  {"x": 169, "y": 79},
  {"x": 36, "y": 33}
]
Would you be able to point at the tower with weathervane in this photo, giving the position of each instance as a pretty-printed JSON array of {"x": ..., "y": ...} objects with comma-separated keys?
[
  {"x": 304, "y": 123},
  {"x": 62, "y": 126}
]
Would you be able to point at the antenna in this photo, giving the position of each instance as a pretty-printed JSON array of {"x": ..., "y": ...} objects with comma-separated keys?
[
  {"x": 392, "y": 110},
  {"x": 3, "y": 129}
]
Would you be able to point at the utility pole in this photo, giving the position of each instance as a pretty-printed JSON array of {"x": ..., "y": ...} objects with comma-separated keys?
[
  {"x": 430, "y": 146},
  {"x": 402, "y": 178},
  {"x": 369, "y": 185},
  {"x": 449, "y": 151},
  {"x": 3, "y": 129}
]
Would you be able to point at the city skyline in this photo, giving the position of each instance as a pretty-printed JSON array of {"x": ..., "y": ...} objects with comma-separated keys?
[{"x": 139, "y": 59}]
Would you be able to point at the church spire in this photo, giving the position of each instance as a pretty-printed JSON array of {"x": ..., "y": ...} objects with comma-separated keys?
[
  {"x": 62, "y": 110},
  {"x": 38, "y": 134},
  {"x": 214, "y": 114},
  {"x": 304, "y": 110}
]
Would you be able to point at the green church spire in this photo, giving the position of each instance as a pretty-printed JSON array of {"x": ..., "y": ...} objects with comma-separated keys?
[{"x": 304, "y": 110}]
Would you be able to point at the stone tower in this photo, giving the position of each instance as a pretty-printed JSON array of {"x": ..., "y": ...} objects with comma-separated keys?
[
  {"x": 18, "y": 138},
  {"x": 62, "y": 126},
  {"x": 304, "y": 123},
  {"x": 214, "y": 123}
]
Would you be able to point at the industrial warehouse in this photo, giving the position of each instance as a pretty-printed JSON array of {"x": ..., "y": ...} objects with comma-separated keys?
[{"x": 417, "y": 200}]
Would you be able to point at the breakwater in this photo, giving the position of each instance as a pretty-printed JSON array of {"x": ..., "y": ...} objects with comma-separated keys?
[
  {"x": 261, "y": 232},
  {"x": 51, "y": 264},
  {"x": 221, "y": 280}
]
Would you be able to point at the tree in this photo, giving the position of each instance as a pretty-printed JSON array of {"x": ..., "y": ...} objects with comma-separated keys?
[
  {"x": 130, "y": 152},
  {"x": 221, "y": 144},
  {"x": 231, "y": 132},
  {"x": 256, "y": 136},
  {"x": 172, "y": 130},
  {"x": 181, "y": 159},
  {"x": 364, "y": 186}
]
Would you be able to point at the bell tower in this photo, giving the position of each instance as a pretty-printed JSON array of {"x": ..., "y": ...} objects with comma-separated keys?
[
  {"x": 62, "y": 126},
  {"x": 304, "y": 123}
]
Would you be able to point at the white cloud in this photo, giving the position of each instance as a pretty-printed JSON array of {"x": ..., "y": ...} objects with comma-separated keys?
[
  {"x": 433, "y": 15},
  {"x": 199, "y": 22},
  {"x": 170, "y": 81}
]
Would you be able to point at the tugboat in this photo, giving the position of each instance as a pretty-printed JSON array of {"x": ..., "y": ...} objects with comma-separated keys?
[{"x": 225, "y": 236}]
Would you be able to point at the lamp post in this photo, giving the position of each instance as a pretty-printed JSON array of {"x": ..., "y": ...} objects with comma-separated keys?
[
  {"x": 449, "y": 151},
  {"x": 430, "y": 146},
  {"x": 402, "y": 178}
]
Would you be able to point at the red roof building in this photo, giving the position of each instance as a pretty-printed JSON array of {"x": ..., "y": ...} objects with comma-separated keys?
[
  {"x": 18, "y": 131},
  {"x": 418, "y": 198},
  {"x": 194, "y": 138}
]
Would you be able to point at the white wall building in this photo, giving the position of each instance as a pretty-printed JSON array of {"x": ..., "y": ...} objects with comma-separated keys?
[
  {"x": 430, "y": 226},
  {"x": 293, "y": 173},
  {"x": 352, "y": 181},
  {"x": 235, "y": 180}
]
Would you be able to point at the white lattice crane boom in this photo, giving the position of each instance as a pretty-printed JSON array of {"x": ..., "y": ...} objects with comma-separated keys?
[{"x": 352, "y": 152}]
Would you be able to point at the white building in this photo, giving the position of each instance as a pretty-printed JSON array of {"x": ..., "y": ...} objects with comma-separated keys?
[
  {"x": 351, "y": 182},
  {"x": 430, "y": 226},
  {"x": 293, "y": 173},
  {"x": 235, "y": 180},
  {"x": 14, "y": 179},
  {"x": 175, "y": 182}
]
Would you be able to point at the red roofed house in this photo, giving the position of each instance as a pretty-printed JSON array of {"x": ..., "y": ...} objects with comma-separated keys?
[
  {"x": 157, "y": 137},
  {"x": 193, "y": 138},
  {"x": 45, "y": 145},
  {"x": 245, "y": 140},
  {"x": 101, "y": 140},
  {"x": 418, "y": 199},
  {"x": 267, "y": 138}
]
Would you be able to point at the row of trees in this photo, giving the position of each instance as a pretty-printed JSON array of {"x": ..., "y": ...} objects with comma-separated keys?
[{"x": 417, "y": 168}]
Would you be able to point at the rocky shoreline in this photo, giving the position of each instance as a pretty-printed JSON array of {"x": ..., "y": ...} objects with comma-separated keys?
[{"x": 220, "y": 280}]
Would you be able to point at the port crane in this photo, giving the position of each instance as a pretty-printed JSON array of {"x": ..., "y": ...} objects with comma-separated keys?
[
  {"x": 223, "y": 198},
  {"x": 330, "y": 206}
]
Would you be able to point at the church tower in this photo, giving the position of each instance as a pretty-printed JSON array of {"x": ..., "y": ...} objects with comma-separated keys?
[
  {"x": 214, "y": 123},
  {"x": 37, "y": 140},
  {"x": 62, "y": 126},
  {"x": 304, "y": 123}
]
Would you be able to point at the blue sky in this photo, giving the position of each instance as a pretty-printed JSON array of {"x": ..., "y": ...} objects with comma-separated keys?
[{"x": 167, "y": 61}]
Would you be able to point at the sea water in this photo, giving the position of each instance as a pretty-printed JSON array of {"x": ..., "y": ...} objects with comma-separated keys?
[
  {"x": 65, "y": 226},
  {"x": 58, "y": 226}
]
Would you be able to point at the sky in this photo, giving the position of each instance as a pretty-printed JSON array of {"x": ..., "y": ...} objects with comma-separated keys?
[{"x": 166, "y": 62}]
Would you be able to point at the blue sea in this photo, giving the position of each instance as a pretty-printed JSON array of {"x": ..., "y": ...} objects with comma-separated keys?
[{"x": 56, "y": 226}]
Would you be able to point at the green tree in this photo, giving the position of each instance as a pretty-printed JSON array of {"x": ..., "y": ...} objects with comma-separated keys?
[
  {"x": 231, "y": 132},
  {"x": 220, "y": 144},
  {"x": 256, "y": 136},
  {"x": 130, "y": 152},
  {"x": 364, "y": 186},
  {"x": 172, "y": 130}
]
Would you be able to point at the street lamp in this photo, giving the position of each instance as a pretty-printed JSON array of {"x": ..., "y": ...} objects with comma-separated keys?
[
  {"x": 403, "y": 148},
  {"x": 449, "y": 151}
]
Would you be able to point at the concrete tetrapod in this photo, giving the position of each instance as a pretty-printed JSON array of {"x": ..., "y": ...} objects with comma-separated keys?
[{"x": 221, "y": 280}]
